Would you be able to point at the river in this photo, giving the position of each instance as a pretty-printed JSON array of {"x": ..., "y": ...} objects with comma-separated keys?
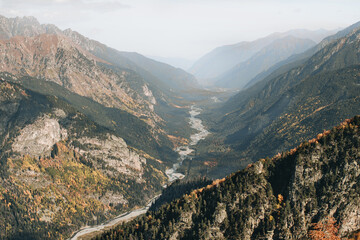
[
  {"x": 92, "y": 231},
  {"x": 184, "y": 152}
]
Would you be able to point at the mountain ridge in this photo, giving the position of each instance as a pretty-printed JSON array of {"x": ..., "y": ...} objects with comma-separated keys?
[
  {"x": 277, "y": 198},
  {"x": 222, "y": 59},
  {"x": 280, "y": 49}
]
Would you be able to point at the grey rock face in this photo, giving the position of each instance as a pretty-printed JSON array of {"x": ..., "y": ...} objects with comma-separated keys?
[
  {"x": 38, "y": 138},
  {"x": 115, "y": 152}
]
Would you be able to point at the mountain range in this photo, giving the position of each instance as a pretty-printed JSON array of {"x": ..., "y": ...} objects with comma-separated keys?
[
  {"x": 223, "y": 64},
  {"x": 307, "y": 182}
]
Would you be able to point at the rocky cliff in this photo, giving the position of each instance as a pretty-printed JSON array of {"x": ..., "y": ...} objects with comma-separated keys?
[{"x": 60, "y": 170}]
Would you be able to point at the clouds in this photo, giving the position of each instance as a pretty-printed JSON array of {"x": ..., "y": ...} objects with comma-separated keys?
[{"x": 183, "y": 28}]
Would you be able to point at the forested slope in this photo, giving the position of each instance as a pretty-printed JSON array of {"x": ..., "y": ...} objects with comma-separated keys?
[{"x": 277, "y": 198}]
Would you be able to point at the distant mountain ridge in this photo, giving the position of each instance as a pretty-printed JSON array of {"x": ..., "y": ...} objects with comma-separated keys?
[
  {"x": 278, "y": 50},
  {"x": 298, "y": 59},
  {"x": 222, "y": 59}
]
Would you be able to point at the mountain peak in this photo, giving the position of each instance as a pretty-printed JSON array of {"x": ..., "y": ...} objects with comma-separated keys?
[{"x": 24, "y": 26}]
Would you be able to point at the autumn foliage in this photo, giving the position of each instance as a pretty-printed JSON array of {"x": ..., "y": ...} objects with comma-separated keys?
[{"x": 325, "y": 230}]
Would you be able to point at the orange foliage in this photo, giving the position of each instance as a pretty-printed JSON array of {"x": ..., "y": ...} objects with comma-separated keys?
[
  {"x": 325, "y": 230},
  {"x": 210, "y": 163},
  {"x": 249, "y": 165},
  {"x": 280, "y": 198},
  {"x": 24, "y": 93},
  {"x": 356, "y": 236},
  {"x": 314, "y": 140},
  {"x": 213, "y": 184},
  {"x": 292, "y": 151},
  {"x": 177, "y": 141}
]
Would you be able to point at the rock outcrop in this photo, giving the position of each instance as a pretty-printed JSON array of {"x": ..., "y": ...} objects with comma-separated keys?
[
  {"x": 115, "y": 153},
  {"x": 38, "y": 138}
]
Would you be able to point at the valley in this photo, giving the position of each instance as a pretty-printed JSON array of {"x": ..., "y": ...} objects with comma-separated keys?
[
  {"x": 172, "y": 174},
  {"x": 258, "y": 139}
]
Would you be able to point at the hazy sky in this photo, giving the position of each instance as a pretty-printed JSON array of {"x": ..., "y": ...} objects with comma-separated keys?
[{"x": 183, "y": 28}]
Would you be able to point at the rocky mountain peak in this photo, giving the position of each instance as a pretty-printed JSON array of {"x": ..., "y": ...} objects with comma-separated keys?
[{"x": 24, "y": 26}]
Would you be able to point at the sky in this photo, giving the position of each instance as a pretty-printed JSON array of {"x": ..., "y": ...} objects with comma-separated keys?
[{"x": 184, "y": 28}]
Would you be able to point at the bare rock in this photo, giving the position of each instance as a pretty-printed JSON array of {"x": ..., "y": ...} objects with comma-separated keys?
[{"x": 38, "y": 138}]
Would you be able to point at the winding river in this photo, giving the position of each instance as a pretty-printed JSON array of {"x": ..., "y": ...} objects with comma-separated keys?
[{"x": 184, "y": 152}]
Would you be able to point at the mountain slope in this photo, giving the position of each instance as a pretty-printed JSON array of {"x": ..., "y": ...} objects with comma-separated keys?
[
  {"x": 60, "y": 170},
  {"x": 298, "y": 59},
  {"x": 276, "y": 198},
  {"x": 57, "y": 59},
  {"x": 286, "y": 110},
  {"x": 160, "y": 74},
  {"x": 268, "y": 56},
  {"x": 92, "y": 69}
]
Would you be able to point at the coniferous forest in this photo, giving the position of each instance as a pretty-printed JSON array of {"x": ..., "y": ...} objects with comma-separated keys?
[{"x": 279, "y": 197}]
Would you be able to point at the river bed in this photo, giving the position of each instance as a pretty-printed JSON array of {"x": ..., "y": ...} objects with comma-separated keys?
[{"x": 185, "y": 151}]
